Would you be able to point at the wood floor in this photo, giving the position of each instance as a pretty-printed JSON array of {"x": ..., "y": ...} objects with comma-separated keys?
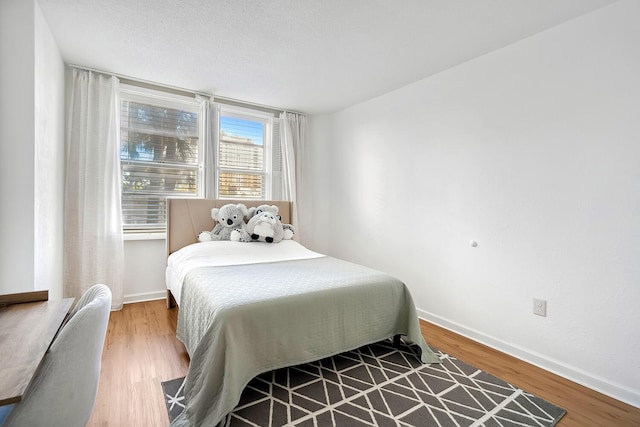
[
  {"x": 584, "y": 406},
  {"x": 141, "y": 351}
]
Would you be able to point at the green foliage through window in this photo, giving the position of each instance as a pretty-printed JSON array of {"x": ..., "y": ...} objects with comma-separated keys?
[{"x": 159, "y": 157}]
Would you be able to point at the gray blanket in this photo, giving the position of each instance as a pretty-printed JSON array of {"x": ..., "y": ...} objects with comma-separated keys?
[{"x": 239, "y": 321}]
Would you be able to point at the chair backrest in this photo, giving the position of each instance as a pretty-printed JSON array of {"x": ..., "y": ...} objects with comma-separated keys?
[{"x": 64, "y": 389}]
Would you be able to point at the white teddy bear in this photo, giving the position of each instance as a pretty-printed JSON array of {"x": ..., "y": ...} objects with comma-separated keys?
[
  {"x": 265, "y": 227},
  {"x": 289, "y": 231}
]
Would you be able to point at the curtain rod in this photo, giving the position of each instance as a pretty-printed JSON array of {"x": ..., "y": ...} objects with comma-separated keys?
[{"x": 183, "y": 91}]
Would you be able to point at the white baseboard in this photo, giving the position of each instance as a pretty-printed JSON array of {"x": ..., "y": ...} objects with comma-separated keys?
[
  {"x": 146, "y": 296},
  {"x": 616, "y": 391}
]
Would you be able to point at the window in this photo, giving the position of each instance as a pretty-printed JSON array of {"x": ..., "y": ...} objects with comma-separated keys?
[
  {"x": 160, "y": 155},
  {"x": 248, "y": 159}
]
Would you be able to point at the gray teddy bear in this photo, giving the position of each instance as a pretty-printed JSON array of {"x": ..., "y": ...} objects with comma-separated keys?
[{"x": 229, "y": 218}]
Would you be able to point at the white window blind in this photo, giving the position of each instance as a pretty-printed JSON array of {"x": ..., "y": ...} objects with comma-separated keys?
[{"x": 160, "y": 155}]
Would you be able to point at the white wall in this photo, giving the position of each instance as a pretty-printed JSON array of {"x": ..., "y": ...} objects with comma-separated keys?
[
  {"x": 16, "y": 145},
  {"x": 49, "y": 157},
  {"x": 144, "y": 270},
  {"x": 533, "y": 151},
  {"x": 31, "y": 151}
]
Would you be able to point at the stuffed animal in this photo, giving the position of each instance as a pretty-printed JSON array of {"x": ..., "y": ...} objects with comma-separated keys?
[
  {"x": 262, "y": 208},
  {"x": 265, "y": 227},
  {"x": 229, "y": 218},
  {"x": 289, "y": 231}
]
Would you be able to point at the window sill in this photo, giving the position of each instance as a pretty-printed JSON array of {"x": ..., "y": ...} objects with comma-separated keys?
[{"x": 144, "y": 236}]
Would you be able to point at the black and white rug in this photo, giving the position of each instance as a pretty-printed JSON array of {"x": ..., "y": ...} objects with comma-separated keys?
[{"x": 380, "y": 385}]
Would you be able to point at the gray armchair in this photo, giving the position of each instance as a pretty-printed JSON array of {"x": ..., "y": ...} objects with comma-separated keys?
[{"x": 63, "y": 392}]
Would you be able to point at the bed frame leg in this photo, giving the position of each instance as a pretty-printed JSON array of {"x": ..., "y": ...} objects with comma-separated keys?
[
  {"x": 171, "y": 302},
  {"x": 397, "y": 341}
]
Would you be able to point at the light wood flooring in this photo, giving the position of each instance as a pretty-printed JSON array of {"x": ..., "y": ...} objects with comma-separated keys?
[{"x": 141, "y": 351}]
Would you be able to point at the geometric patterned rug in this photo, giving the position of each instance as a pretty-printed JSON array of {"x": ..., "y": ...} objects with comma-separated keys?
[{"x": 380, "y": 385}]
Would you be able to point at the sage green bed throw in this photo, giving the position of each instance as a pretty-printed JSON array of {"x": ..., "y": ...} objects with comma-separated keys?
[{"x": 239, "y": 321}]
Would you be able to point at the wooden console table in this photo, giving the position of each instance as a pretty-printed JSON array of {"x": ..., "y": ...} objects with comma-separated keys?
[{"x": 28, "y": 324}]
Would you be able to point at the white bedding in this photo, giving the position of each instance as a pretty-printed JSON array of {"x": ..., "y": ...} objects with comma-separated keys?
[{"x": 222, "y": 253}]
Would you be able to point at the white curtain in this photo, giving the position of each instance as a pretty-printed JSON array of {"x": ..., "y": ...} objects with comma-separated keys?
[
  {"x": 93, "y": 248},
  {"x": 294, "y": 127},
  {"x": 210, "y": 126}
]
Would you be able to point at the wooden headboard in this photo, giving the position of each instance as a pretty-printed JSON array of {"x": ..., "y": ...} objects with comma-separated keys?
[{"x": 186, "y": 218}]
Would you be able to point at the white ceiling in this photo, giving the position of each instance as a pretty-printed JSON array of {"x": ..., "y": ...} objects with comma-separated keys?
[{"x": 311, "y": 56}]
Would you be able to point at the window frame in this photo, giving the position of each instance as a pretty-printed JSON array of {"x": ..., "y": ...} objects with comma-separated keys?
[
  {"x": 169, "y": 100},
  {"x": 267, "y": 171}
]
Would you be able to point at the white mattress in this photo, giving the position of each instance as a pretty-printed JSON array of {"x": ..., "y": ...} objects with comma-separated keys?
[{"x": 226, "y": 252}]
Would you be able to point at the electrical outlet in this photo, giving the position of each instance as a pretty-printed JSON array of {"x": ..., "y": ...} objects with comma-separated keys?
[{"x": 540, "y": 307}]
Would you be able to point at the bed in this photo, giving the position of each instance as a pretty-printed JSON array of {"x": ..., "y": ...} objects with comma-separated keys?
[{"x": 248, "y": 308}]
